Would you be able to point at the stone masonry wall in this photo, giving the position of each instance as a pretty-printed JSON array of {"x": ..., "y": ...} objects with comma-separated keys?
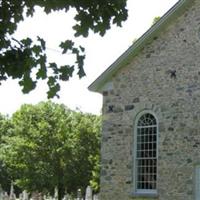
[{"x": 163, "y": 78}]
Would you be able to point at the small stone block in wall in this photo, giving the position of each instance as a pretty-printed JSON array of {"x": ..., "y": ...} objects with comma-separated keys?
[
  {"x": 129, "y": 107},
  {"x": 105, "y": 93},
  {"x": 136, "y": 100}
]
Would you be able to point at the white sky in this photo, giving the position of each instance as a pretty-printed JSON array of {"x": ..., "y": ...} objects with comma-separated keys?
[{"x": 100, "y": 53}]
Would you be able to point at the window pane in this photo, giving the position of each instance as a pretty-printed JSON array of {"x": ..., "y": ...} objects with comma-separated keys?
[{"x": 146, "y": 153}]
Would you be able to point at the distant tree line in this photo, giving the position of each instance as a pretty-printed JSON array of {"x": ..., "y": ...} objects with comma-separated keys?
[{"x": 47, "y": 145}]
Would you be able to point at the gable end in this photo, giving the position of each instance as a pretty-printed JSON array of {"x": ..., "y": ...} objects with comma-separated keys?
[{"x": 137, "y": 46}]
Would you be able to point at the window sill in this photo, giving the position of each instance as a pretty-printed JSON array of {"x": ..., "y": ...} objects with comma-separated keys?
[{"x": 144, "y": 195}]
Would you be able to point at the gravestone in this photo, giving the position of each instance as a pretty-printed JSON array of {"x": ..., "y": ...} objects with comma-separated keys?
[
  {"x": 95, "y": 197},
  {"x": 79, "y": 194},
  {"x": 24, "y": 195},
  {"x": 12, "y": 194},
  {"x": 5, "y": 196},
  {"x": 88, "y": 194}
]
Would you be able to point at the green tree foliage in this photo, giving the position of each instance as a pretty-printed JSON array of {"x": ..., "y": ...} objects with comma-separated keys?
[
  {"x": 5, "y": 130},
  {"x": 156, "y": 19},
  {"x": 19, "y": 58},
  {"x": 95, "y": 181},
  {"x": 86, "y": 150},
  {"x": 52, "y": 147}
]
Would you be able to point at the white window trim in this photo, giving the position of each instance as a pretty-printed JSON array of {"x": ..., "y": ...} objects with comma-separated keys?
[{"x": 141, "y": 192}]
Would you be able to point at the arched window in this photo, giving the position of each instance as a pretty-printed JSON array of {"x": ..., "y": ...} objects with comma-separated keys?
[{"x": 146, "y": 154}]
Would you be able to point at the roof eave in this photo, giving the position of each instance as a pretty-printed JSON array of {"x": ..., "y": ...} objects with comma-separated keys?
[{"x": 134, "y": 49}]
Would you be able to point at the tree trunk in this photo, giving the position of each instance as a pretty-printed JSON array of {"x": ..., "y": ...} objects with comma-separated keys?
[
  {"x": 60, "y": 191},
  {"x": 60, "y": 177}
]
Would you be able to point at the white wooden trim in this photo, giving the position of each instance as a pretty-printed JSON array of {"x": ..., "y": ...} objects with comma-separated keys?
[{"x": 139, "y": 191}]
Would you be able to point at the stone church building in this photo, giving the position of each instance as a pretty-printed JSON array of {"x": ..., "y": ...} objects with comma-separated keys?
[{"x": 151, "y": 112}]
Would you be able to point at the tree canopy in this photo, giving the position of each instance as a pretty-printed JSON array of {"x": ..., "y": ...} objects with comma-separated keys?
[
  {"x": 19, "y": 58},
  {"x": 52, "y": 146},
  {"x": 6, "y": 129}
]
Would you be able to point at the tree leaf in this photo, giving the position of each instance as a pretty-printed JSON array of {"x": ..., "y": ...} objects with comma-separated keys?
[
  {"x": 19, "y": 58},
  {"x": 43, "y": 43}
]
